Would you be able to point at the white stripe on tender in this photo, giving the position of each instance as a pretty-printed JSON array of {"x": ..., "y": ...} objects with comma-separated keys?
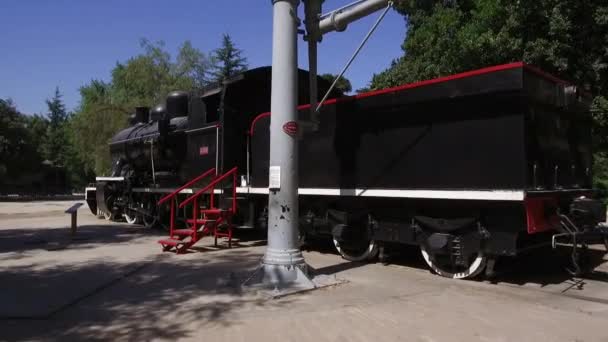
[
  {"x": 487, "y": 195},
  {"x": 109, "y": 178}
]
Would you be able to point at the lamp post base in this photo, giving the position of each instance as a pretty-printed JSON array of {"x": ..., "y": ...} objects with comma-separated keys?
[{"x": 281, "y": 280}]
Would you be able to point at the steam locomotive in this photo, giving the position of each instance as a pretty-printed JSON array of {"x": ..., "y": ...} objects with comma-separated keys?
[{"x": 469, "y": 167}]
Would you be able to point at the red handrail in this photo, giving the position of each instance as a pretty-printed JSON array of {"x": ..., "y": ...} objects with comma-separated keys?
[
  {"x": 171, "y": 195},
  {"x": 209, "y": 186}
]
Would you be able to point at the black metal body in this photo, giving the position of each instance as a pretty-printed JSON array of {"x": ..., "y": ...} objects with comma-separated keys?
[
  {"x": 484, "y": 161},
  {"x": 472, "y": 147},
  {"x": 495, "y": 130},
  {"x": 132, "y": 149},
  {"x": 186, "y": 136}
]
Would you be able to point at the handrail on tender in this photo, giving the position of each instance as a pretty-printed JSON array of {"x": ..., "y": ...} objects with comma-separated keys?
[
  {"x": 209, "y": 186},
  {"x": 171, "y": 195}
]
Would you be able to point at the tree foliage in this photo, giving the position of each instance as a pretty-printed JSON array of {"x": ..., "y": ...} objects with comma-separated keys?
[
  {"x": 143, "y": 80},
  {"x": 55, "y": 144},
  {"x": 564, "y": 37},
  {"x": 38, "y": 126},
  {"x": 76, "y": 144},
  {"x": 17, "y": 150},
  {"x": 227, "y": 60},
  {"x": 343, "y": 83}
]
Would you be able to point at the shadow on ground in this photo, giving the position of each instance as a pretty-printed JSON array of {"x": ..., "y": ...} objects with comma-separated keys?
[
  {"x": 544, "y": 267},
  {"x": 541, "y": 268},
  {"x": 87, "y": 236},
  {"x": 168, "y": 297}
]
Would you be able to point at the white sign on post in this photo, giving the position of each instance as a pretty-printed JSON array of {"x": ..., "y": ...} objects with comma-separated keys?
[{"x": 274, "y": 181}]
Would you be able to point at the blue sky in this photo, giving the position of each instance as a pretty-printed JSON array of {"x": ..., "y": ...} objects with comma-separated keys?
[{"x": 66, "y": 43}]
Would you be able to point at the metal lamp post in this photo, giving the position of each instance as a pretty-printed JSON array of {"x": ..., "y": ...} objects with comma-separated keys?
[{"x": 283, "y": 265}]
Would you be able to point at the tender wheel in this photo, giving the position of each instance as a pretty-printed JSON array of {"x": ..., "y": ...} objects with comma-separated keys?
[
  {"x": 442, "y": 265},
  {"x": 356, "y": 247},
  {"x": 369, "y": 252}
]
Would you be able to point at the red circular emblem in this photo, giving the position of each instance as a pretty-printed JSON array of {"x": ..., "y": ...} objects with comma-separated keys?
[{"x": 291, "y": 128}]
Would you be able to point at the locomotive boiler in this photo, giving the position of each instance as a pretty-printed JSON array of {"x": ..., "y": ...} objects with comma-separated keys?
[{"x": 154, "y": 146}]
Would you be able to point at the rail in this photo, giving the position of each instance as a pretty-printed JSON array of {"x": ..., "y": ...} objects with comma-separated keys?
[
  {"x": 171, "y": 195},
  {"x": 232, "y": 172}
]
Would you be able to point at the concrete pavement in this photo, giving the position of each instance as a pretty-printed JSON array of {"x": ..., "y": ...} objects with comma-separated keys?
[{"x": 113, "y": 283}]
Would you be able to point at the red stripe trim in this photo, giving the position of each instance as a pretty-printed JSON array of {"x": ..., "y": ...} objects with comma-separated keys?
[
  {"x": 544, "y": 75},
  {"x": 442, "y": 79},
  {"x": 478, "y": 72}
]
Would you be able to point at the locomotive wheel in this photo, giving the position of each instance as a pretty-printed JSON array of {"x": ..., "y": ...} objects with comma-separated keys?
[
  {"x": 110, "y": 205},
  {"x": 150, "y": 219},
  {"x": 132, "y": 217},
  {"x": 443, "y": 266},
  {"x": 107, "y": 216}
]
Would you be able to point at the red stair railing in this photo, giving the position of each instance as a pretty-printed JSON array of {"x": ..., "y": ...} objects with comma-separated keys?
[
  {"x": 174, "y": 193},
  {"x": 232, "y": 172},
  {"x": 220, "y": 218}
]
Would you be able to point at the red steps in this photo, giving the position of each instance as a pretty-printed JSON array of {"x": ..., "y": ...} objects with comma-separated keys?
[
  {"x": 213, "y": 211},
  {"x": 206, "y": 221},
  {"x": 179, "y": 242},
  {"x": 171, "y": 242},
  {"x": 200, "y": 221},
  {"x": 183, "y": 232}
]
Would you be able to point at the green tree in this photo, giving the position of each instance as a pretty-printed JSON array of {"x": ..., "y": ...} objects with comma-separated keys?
[
  {"x": 56, "y": 144},
  {"x": 38, "y": 126},
  {"x": 17, "y": 152},
  {"x": 194, "y": 64},
  {"x": 343, "y": 83},
  {"x": 147, "y": 78},
  {"x": 97, "y": 119},
  {"x": 227, "y": 60},
  {"x": 563, "y": 37}
]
